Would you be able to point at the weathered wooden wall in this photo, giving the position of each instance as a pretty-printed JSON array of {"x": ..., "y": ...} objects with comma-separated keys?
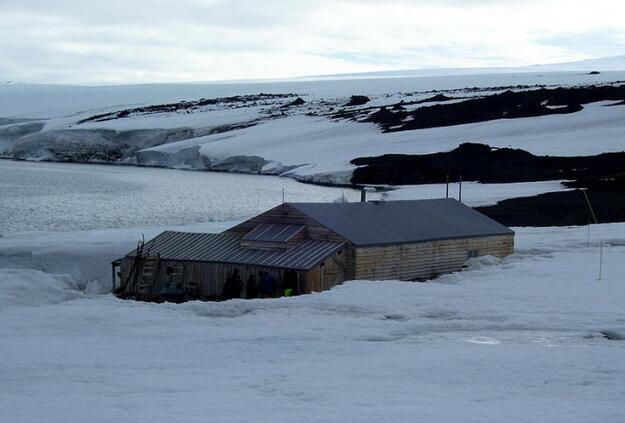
[
  {"x": 323, "y": 277},
  {"x": 210, "y": 278},
  {"x": 403, "y": 262},
  {"x": 427, "y": 259}
]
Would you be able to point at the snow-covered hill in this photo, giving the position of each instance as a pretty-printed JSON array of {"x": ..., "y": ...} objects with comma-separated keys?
[
  {"x": 298, "y": 128},
  {"x": 604, "y": 64}
]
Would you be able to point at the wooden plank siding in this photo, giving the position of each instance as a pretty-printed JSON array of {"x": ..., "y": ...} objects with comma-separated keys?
[
  {"x": 426, "y": 259},
  {"x": 327, "y": 275},
  {"x": 210, "y": 277}
]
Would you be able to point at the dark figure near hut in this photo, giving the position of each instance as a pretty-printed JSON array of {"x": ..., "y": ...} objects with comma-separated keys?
[
  {"x": 290, "y": 284},
  {"x": 251, "y": 287},
  {"x": 232, "y": 287},
  {"x": 267, "y": 286}
]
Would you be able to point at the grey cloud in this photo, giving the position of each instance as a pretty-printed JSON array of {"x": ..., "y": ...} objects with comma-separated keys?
[{"x": 156, "y": 40}]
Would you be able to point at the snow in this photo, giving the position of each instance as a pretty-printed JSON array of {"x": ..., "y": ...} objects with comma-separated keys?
[
  {"x": 285, "y": 141},
  {"x": 611, "y": 63},
  {"x": 532, "y": 337},
  {"x": 79, "y": 260},
  {"x": 66, "y": 196},
  {"x": 57, "y": 101},
  {"x": 521, "y": 339},
  {"x": 321, "y": 149},
  {"x": 475, "y": 194},
  {"x": 209, "y": 118}
]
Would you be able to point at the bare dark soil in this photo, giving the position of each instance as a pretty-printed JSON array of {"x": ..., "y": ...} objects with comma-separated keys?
[
  {"x": 605, "y": 194},
  {"x": 482, "y": 163},
  {"x": 567, "y": 208},
  {"x": 358, "y": 100},
  {"x": 602, "y": 176},
  {"x": 506, "y": 105}
]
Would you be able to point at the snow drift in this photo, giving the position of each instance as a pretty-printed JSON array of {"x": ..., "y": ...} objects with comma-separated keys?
[{"x": 535, "y": 328}]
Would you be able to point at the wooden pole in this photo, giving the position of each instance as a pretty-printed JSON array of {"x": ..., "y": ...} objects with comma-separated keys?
[{"x": 113, "y": 273}]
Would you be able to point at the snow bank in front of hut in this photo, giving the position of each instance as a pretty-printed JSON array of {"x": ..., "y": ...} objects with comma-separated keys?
[
  {"x": 77, "y": 260},
  {"x": 27, "y": 287},
  {"x": 532, "y": 337}
]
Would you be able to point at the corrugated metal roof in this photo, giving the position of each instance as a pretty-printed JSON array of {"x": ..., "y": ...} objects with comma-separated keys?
[
  {"x": 273, "y": 232},
  {"x": 186, "y": 246},
  {"x": 400, "y": 222}
]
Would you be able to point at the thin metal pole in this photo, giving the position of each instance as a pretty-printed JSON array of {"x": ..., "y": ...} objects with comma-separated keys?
[
  {"x": 600, "y": 259},
  {"x": 447, "y": 187},
  {"x": 282, "y": 206},
  {"x": 460, "y": 189},
  {"x": 590, "y": 207}
]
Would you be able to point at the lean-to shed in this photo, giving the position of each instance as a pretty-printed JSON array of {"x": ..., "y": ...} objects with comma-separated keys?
[{"x": 314, "y": 246}]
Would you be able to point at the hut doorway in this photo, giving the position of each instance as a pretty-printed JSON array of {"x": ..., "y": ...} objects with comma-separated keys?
[{"x": 291, "y": 281}]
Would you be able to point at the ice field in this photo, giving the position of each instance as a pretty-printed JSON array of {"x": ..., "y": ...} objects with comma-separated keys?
[{"x": 535, "y": 335}]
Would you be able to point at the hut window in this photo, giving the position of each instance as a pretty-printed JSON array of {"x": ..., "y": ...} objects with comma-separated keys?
[{"x": 472, "y": 254}]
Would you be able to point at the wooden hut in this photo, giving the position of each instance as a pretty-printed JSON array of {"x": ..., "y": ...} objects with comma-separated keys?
[{"x": 314, "y": 246}]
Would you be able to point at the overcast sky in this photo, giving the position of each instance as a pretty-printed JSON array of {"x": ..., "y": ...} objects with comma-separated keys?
[{"x": 79, "y": 41}]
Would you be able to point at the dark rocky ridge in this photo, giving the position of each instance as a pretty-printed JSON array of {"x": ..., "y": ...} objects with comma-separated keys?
[
  {"x": 186, "y": 105},
  {"x": 506, "y": 105},
  {"x": 605, "y": 194},
  {"x": 567, "y": 208},
  {"x": 602, "y": 176},
  {"x": 433, "y": 99},
  {"x": 358, "y": 100},
  {"x": 482, "y": 163}
]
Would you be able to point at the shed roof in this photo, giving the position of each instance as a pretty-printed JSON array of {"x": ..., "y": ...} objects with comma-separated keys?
[
  {"x": 273, "y": 232},
  {"x": 221, "y": 248},
  {"x": 400, "y": 222}
]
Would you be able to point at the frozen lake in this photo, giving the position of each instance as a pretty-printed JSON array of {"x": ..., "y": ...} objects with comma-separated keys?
[{"x": 66, "y": 196}]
